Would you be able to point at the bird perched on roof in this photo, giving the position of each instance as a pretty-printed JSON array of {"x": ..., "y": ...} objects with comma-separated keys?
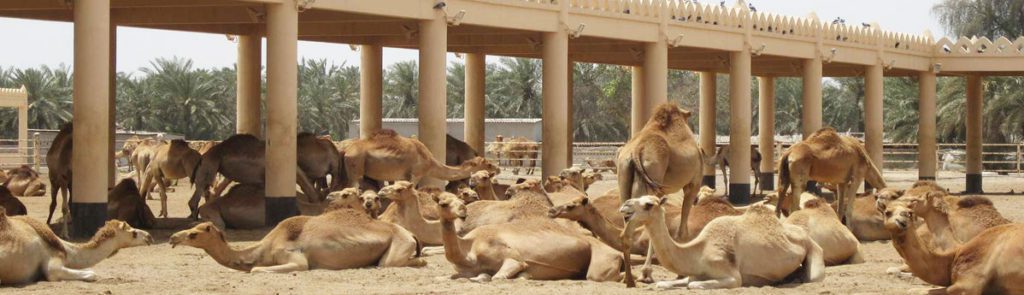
[
  {"x": 865, "y": 25},
  {"x": 752, "y": 8},
  {"x": 722, "y": 4},
  {"x": 839, "y": 21}
]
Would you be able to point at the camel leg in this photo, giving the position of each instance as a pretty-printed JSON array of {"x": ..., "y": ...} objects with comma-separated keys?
[
  {"x": 55, "y": 271},
  {"x": 402, "y": 252},
  {"x": 219, "y": 189},
  {"x": 757, "y": 177},
  {"x": 163, "y": 198},
  {"x": 672, "y": 284},
  {"x": 66, "y": 211},
  {"x": 724, "y": 283},
  {"x": 646, "y": 271},
  {"x": 53, "y": 199},
  {"x": 296, "y": 262},
  {"x": 689, "y": 198},
  {"x": 481, "y": 278},
  {"x": 509, "y": 269},
  {"x": 311, "y": 193},
  {"x": 725, "y": 176}
]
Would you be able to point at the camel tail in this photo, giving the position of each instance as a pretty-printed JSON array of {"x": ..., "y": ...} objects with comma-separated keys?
[
  {"x": 814, "y": 262},
  {"x": 419, "y": 246},
  {"x": 641, "y": 172},
  {"x": 784, "y": 182},
  {"x": 874, "y": 175},
  {"x": 192, "y": 178}
]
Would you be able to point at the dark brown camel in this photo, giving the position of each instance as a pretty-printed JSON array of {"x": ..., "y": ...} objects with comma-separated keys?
[
  {"x": 10, "y": 203},
  {"x": 58, "y": 161},
  {"x": 457, "y": 152},
  {"x": 317, "y": 158},
  {"x": 125, "y": 203}
]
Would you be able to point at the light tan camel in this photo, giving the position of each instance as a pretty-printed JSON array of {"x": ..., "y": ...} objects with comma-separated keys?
[
  {"x": 11, "y": 204},
  {"x": 602, "y": 165},
  {"x": 574, "y": 176},
  {"x": 533, "y": 248},
  {"x": 560, "y": 190},
  {"x": 483, "y": 183},
  {"x": 58, "y": 162},
  {"x": 338, "y": 239},
  {"x": 820, "y": 221},
  {"x": 32, "y": 251},
  {"x": 753, "y": 249},
  {"x": 367, "y": 201},
  {"x": 244, "y": 207},
  {"x": 174, "y": 160},
  {"x": 826, "y": 157},
  {"x": 722, "y": 160},
  {"x": 952, "y": 220},
  {"x": 406, "y": 201},
  {"x": 25, "y": 182},
  {"x": 143, "y": 154},
  {"x": 524, "y": 200},
  {"x": 386, "y": 156},
  {"x": 989, "y": 263},
  {"x": 521, "y": 153},
  {"x": 125, "y": 203},
  {"x": 590, "y": 177}
]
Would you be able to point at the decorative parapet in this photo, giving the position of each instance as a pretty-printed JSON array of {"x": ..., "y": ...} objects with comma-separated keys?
[
  {"x": 13, "y": 97},
  {"x": 979, "y": 47}
]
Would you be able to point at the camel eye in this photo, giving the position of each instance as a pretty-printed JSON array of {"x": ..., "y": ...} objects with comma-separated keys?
[
  {"x": 192, "y": 236},
  {"x": 135, "y": 235},
  {"x": 443, "y": 205}
]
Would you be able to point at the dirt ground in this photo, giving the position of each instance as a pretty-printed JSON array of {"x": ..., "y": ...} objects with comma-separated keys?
[{"x": 160, "y": 269}]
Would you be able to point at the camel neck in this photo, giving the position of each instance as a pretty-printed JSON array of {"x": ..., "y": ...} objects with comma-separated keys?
[
  {"x": 409, "y": 209},
  {"x": 90, "y": 253},
  {"x": 230, "y": 257},
  {"x": 931, "y": 266},
  {"x": 449, "y": 173},
  {"x": 453, "y": 244},
  {"x": 938, "y": 225},
  {"x": 681, "y": 259},
  {"x": 486, "y": 192},
  {"x": 599, "y": 225}
]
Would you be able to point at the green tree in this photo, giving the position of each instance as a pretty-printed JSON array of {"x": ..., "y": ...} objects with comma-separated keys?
[{"x": 401, "y": 90}]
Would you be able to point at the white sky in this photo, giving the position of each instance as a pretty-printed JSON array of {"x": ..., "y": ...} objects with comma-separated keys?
[{"x": 50, "y": 43}]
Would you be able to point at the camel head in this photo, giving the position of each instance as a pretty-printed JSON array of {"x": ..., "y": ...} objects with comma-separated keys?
[
  {"x": 705, "y": 193},
  {"x": 887, "y": 195},
  {"x": 641, "y": 210},
  {"x": 590, "y": 177},
  {"x": 200, "y": 236},
  {"x": 668, "y": 115},
  {"x": 122, "y": 235},
  {"x": 371, "y": 202},
  {"x": 23, "y": 172},
  {"x": 399, "y": 191},
  {"x": 480, "y": 164},
  {"x": 555, "y": 183},
  {"x": 450, "y": 206},
  {"x": 899, "y": 215},
  {"x": 574, "y": 175},
  {"x": 346, "y": 198},
  {"x": 478, "y": 179},
  {"x": 573, "y": 210},
  {"x": 532, "y": 185},
  {"x": 467, "y": 195}
]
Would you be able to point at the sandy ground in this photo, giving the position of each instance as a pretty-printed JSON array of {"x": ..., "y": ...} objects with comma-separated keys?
[{"x": 164, "y": 270}]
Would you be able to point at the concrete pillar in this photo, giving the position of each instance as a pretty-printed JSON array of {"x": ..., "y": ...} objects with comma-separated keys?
[
  {"x": 555, "y": 103},
  {"x": 371, "y": 91},
  {"x": 476, "y": 86},
  {"x": 282, "y": 111},
  {"x": 23, "y": 132},
  {"x": 111, "y": 108},
  {"x": 739, "y": 127},
  {"x": 975, "y": 105},
  {"x": 569, "y": 114},
  {"x": 247, "y": 104},
  {"x": 433, "y": 85},
  {"x": 638, "y": 104},
  {"x": 873, "y": 129},
  {"x": 706, "y": 124},
  {"x": 811, "y": 104},
  {"x": 926, "y": 146},
  {"x": 91, "y": 113},
  {"x": 766, "y": 131},
  {"x": 655, "y": 75}
]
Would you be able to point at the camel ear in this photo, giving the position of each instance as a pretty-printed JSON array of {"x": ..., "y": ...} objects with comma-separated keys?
[
  {"x": 880, "y": 206},
  {"x": 663, "y": 201},
  {"x": 585, "y": 201},
  {"x": 686, "y": 114},
  {"x": 436, "y": 198}
]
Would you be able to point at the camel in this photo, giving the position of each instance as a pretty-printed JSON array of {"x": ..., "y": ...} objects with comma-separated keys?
[
  {"x": 826, "y": 157},
  {"x": 954, "y": 220},
  {"x": 989, "y": 263},
  {"x": 521, "y": 153},
  {"x": 368, "y": 201},
  {"x": 722, "y": 160},
  {"x": 386, "y": 156},
  {"x": 601, "y": 165},
  {"x": 318, "y": 158},
  {"x": 524, "y": 200},
  {"x": 533, "y": 248},
  {"x": 574, "y": 176},
  {"x": 244, "y": 207},
  {"x": 753, "y": 249},
  {"x": 12, "y": 205},
  {"x": 25, "y": 182},
  {"x": 339, "y": 239},
  {"x": 3, "y": 176},
  {"x": 58, "y": 162},
  {"x": 406, "y": 202},
  {"x": 170, "y": 161},
  {"x": 125, "y": 203},
  {"x": 457, "y": 151},
  {"x": 483, "y": 183},
  {"x": 32, "y": 251},
  {"x": 590, "y": 177},
  {"x": 820, "y": 221},
  {"x": 143, "y": 154},
  {"x": 240, "y": 158},
  {"x": 560, "y": 190}
]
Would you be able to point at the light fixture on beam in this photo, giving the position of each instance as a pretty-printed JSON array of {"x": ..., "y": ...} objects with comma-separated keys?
[
  {"x": 759, "y": 50},
  {"x": 677, "y": 42},
  {"x": 303, "y": 5},
  {"x": 353, "y": 47},
  {"x": 456, "y": 20},
  {"x": 890, "y": 64},
  {"x": 937, "y": 68},
  {"x": 231, "y": 38},
  {"x": 578, "y": 31},
  {"x": 830, "y": 56}
]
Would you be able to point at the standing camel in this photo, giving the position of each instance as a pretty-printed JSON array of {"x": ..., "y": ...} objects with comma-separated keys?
[
  {"x": 58, "y": 161},
  {"x": 826, "y": 157},
  {"x": 662, "y": 159},
  {"x": 318, "y": 158},
  {"x": 171, "y": 161},
  {"x": 386, "y": 156},
  {"x": 521, "y": 153},
  {"x": 722, "y": 160}
]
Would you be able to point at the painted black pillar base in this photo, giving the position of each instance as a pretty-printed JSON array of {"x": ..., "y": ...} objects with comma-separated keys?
[
  {"x": 974, "y": 183},
  {"x": 709, "y": 181},
  {"x": 86, "y": 219},
  {"x": 767, "y": 181},
  {"x": 280, "y": 208},
  {"x": 739, "y": 193},
  {"x": 930, "y": 178}
]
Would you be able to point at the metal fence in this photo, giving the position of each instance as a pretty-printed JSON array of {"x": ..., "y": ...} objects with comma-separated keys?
[{"x": 17, "y": 152}]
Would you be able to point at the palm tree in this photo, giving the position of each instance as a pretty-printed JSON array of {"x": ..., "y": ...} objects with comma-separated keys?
[
  {"x": 327, "y": 97},
  {"x": 49, "y": 95},
  {"x": 401, "y": 90},
  {"x": 456, "y": 89},
  {"x": 187, "y": 99},
  {"x": 519, "y": 87}
]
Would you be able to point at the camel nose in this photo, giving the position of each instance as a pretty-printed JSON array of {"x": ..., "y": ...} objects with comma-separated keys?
[{"x": 553, "y": 212}]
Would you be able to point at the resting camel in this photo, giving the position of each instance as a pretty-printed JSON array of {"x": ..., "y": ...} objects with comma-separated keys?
[
  {"x": 457, "y": 151},
  {"x": 367, "y": 201},
  {"x": 244, "y": 207},
  {"x": 339, "y": 239},
  {"x": 662, "y": 158},
  {"x": 405, "y": 200},
  {"x": 125, "y": 203},
  {"x": 590, "y": 177},
  {"x": 826, "y": 157},
  {"x": 11, "y": 204},
  {"x": 25, "y": 182},
  {"x": 532, "y": 248},
  {"x": 32, "y": 251},
  {"x": 386, "y": 156},
  {"x": 58, "y": 162},
  {"x": 521, "y": 153},
  {"x": 753, "y": 249},
  {"x": 318, "y": 158},
  {"x": 524, "y": 200},
  {"x": 820, "y": 221},
  {"x": 722, "y": 160},
  {"x": 989, "y": 263},
  {"x": 483, "y": 183},
  {"x": 952, "y": 220},
  {"x": 240, "y": 158},
  {"x": 175, "y": 160}
]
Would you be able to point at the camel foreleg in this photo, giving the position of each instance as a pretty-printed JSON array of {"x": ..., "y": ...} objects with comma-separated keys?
[
  {"x": 646, "y": 272},
  {"x": 296, "y": 262},
  {"x": 56, "y": 271},
  {"x": 672, "y": 284},
  {"x": 509, "y": 269},
  {"x": 402, "y": 252}
]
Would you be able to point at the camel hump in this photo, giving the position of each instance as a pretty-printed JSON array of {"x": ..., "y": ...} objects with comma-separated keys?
[
  {"x": 972, "y": 201},
  {"x": 126, "y": 186},
  {"x": 44, "y": 232},
  {"x": 385, "y": 133},
  {"x": 815, "y": 203}
]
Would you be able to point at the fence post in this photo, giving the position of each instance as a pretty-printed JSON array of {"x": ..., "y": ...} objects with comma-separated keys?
[
  {"x": 36, "y": 158},
  {"x": 1018, "y": 157}
]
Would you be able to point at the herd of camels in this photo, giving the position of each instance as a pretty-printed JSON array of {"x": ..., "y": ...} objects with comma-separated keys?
[{"x": 361, "y": 206}]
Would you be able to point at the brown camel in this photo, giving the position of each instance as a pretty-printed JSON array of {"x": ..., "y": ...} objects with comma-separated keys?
[
  {"x": 25, "y": 182},
  {"x": 954, "y": 220},
  {"x": 532, "y": 248},
  {"x": 244, "y": 207},
  {"x": 175, "y": 160},
  {"x": 590, "y": 177},
  {"x": 58, "y": 162},
  {"x": 524, "y": 200},
  {"x": 989, "y": 263},
  {"x": 340, "y": 239},
  {"x": 143, "y": 154},
  {"x": 722, "y": 160},
  {"x": 457, "y": 151},
  {"x": 521, "y": 153},
  {"x": 240, "y": 158},
  {"x": 826, "y": 157},
  {"x": 33, "y": 252},
  {"x": 125, "y": 203},
  {"x": 318, "y": 158},
  {"x": 602, "y": 165},
  {"x": 386, "y": 156},
  {"x": 11, "y": 204},
  {"x": 662, "y": 158},
  {"x": 820, "y": 221}
]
